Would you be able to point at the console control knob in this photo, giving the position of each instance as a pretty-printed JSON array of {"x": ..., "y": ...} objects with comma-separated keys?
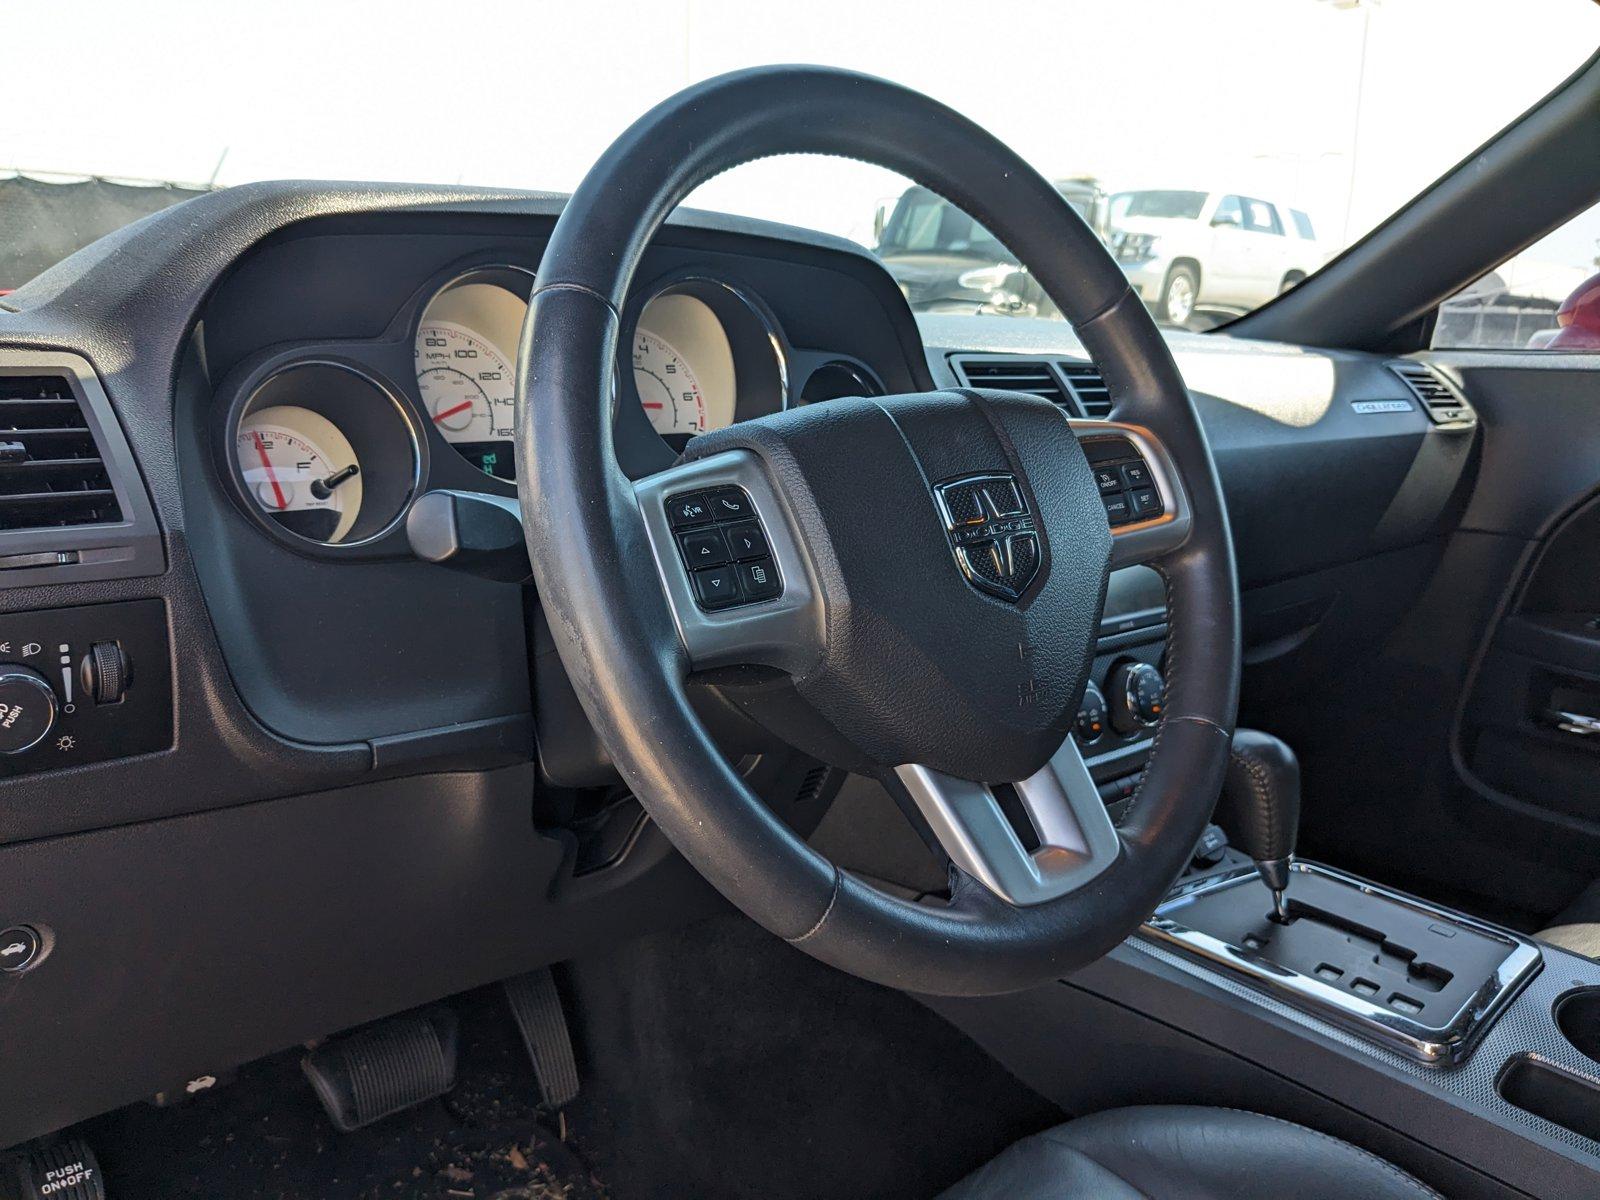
[
  {"x": 1138, "y": 696},
  {"x": 27, "y": 708},
  {"x": 105, "y": 673},
  {"x": 1091, "y": 722}
]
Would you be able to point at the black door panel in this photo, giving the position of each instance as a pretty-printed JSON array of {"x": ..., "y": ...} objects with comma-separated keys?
[
  {"x": 1428, "y": 758},
  {"x": 1531, "y": 727}
]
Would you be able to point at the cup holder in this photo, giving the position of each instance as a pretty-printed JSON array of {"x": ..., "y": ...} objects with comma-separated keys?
[
  {"x": 1578, "y": 1018},
  {"x": 1552, "y": 1092}
]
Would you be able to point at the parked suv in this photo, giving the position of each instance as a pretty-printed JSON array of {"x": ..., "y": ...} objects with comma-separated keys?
[
  {"x": 944, "y": 261},
  {"x": 1184, "y": 249}
]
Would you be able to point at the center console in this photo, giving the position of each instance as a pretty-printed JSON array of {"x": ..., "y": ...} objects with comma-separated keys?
[
  {"x": 1464, "y": 1052},
  {"x": 1122, "y": 703}
]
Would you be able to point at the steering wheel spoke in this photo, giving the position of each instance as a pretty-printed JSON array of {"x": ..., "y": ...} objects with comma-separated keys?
[
  {"x": 1028, "y": 842},
  {"x": 734, "y": 573},
  {"x": 1138, "y": 474}
]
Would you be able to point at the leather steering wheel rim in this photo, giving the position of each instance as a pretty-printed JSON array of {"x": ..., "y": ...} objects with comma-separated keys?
[{"x": 614, "y": 627}]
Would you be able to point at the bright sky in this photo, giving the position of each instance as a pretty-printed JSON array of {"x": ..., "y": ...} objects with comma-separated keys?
[{"x": 1262, "y": 95}]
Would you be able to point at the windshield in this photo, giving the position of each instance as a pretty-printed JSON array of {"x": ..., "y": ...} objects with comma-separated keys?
[{"x": 1223, "y": 151}]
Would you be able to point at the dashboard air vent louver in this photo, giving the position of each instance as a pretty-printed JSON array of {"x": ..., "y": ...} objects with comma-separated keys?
[
  {"x": 1089, "y": 389},
  {"x": 1440, "y": 400},
  {"x": 1014, "y": 375},
  {"x": 51, "y": 473}
]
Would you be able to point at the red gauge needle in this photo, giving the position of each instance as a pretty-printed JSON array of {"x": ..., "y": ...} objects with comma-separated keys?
[
  {"x": 651, "y": 403},
  {"x": 450, "y": 412},
  {"x": 272, "y": 476}
]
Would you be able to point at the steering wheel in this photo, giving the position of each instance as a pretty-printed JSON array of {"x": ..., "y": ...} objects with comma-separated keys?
[{"x": 941, "y": 560}]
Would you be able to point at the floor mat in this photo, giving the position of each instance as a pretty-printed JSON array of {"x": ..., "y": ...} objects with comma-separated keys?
[
  {"x": 719, "y": 1062},
  {"x": 716, "y": 1062},
  {"x": 265, "y": 1137}
]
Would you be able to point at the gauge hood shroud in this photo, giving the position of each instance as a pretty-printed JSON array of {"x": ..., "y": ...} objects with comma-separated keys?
[{"x": 915, "y": 664}]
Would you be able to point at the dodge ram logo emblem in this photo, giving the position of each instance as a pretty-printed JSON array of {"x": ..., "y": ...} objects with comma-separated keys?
[{"x": 992, "y": 534}]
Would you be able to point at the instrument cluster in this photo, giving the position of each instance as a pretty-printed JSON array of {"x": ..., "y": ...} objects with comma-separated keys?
[{"x": 326, "y": 448}]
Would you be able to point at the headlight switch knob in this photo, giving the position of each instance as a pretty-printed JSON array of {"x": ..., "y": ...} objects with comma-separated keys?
[
  {"x": 27, "y": 708},
  {"x": 105, "y": 673}
]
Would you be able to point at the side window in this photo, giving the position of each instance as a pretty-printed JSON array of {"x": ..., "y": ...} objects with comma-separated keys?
[
  {"x": 1302, "y": 225},
  {"x": 1261, "y": 217},
  {"x": 1229, "y": 212},
  {"x": 1546, "y": 298}
]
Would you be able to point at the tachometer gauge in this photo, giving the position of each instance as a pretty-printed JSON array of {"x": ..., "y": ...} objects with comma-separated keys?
[
  {"x": 300, "y": 470},
  {"x": 668, "y": 389}
]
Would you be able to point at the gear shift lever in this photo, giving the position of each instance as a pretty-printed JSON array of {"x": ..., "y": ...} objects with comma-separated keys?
[{"x": 1261, "y": 795}]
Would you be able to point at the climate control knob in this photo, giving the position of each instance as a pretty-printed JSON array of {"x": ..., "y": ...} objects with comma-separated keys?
[
  {"x": 1137, "y": 696},
  {"x": 27, "y": 708},
  {"x": 1091, "y": 722}
]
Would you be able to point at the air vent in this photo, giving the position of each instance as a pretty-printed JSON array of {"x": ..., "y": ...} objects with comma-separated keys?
[
  {"x": 1440, "y": 400},
  {"x": 817, "y": 780},
  {"x": 1014, "y": 375},
  {"x": 51, "y": 474},
  {"x": 1089, "y": 389}
]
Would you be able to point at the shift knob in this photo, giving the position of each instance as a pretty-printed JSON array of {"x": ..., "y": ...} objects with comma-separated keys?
[{"x": 1261, "y": 805}]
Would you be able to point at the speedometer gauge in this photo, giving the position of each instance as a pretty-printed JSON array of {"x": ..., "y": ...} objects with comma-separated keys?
[
  {"x": 668, "y": 389},
  {"x": 301, "y": 471},
  {"x": 468, "y": 385},
  {"x": 465, "y": 349}
]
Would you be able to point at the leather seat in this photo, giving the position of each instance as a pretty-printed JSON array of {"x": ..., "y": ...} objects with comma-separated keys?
[
  {"x": 1578, "y": 928},
  {"x": 1580, "y": 938},
  {"x": 1178, "y": 1152}
]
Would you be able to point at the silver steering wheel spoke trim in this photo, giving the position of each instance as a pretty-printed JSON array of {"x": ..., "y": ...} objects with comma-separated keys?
[
  {"x": 785, "y": 632},
  {"x": 1077, "y": 840},
  {"x": 1144, "y": 541}
]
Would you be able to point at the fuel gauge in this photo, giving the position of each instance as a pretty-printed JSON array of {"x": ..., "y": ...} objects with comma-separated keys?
[
  {"x": 301, "y": 470},
  {"x": 321, "y": 454}
]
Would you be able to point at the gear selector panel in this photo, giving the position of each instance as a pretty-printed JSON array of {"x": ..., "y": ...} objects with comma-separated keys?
[{"x": 1422, "y": 980}]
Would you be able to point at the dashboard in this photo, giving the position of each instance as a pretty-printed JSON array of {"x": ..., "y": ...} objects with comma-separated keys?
[{"x": 329, "y": 752}]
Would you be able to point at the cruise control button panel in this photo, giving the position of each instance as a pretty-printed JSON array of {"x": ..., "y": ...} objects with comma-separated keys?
[
  {"x": 1127, "y": 487},
  {"x": 724, "y": 547}
]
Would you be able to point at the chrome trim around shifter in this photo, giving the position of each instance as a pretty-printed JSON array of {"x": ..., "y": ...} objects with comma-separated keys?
[{"x": 1435, "y": 1045}]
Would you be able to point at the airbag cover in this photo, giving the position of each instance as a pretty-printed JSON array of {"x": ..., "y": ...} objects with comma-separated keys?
[{"x": 917, "y": 664}]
